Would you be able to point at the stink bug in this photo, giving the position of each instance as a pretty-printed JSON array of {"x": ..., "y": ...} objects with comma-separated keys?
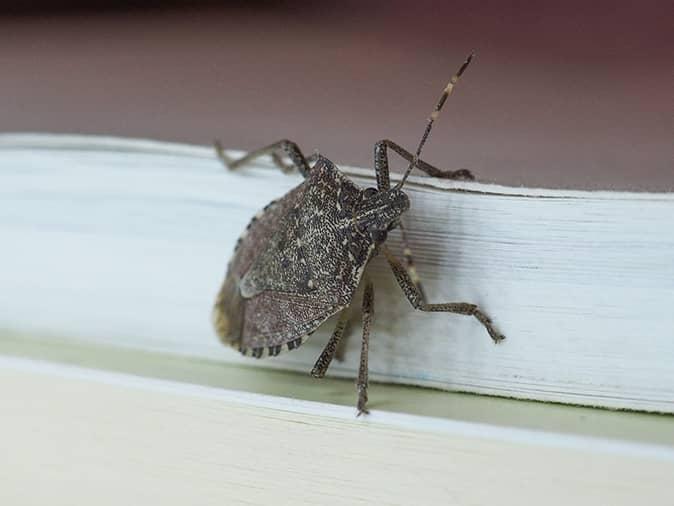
[{"x": 302, "y": 258}]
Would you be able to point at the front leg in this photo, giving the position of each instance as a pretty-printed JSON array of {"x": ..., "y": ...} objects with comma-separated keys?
[
  {"x": 291, "y": 150},
  {"x": 381, "y": 167},
  {"x": 418, "y": 300}
]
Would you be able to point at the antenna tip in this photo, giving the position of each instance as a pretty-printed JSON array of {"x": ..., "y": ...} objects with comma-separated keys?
[{"x": 463, "y": 67}]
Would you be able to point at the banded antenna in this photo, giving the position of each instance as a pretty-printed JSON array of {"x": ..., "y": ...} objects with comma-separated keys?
[{"x": 434, "y": 115}]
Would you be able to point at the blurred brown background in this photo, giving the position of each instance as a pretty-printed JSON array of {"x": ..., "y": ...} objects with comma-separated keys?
[{"x": 561, "y": 94}]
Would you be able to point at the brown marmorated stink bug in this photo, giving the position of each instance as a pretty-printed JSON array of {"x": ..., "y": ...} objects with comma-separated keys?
[{"x": 301, "y": 259}]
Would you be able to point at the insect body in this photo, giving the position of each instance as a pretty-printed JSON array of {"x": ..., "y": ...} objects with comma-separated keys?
[{"x": 302, "y": 258}]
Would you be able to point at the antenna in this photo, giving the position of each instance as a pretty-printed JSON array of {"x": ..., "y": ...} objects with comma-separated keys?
[{"x": 434, "y": 115}]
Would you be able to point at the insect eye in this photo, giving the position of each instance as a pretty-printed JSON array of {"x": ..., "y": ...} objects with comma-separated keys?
[{"x": 369, "y": 192}]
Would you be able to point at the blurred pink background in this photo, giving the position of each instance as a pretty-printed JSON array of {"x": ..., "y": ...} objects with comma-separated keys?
[{"x": 561, "y": 94}]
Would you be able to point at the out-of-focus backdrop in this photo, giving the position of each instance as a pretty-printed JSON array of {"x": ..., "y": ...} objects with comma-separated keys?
[{"x": 561, "y": 94}]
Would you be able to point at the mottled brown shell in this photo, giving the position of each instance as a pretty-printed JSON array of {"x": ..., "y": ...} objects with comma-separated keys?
[{"x": 299, "y": 261}]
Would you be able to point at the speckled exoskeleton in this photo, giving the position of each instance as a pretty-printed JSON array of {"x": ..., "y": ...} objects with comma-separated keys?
[{"x": 302, "y": 258}]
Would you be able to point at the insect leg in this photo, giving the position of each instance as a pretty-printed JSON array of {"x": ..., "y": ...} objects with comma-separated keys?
[
  {"x": 292, "y": 150},
  {"x": 418, "y": 300},
  {"x": 409, "y": 262},
  {"x": 341, "y": 346},
  {"x": 331, "y": 349},
  {"x": 368, "y": 314},
  {"x": 381, "y": 167}
]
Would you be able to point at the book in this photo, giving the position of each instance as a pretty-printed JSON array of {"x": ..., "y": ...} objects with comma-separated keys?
[
  {"x": 124, "y": 243},
  {"x": 116, "y": 390}
]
